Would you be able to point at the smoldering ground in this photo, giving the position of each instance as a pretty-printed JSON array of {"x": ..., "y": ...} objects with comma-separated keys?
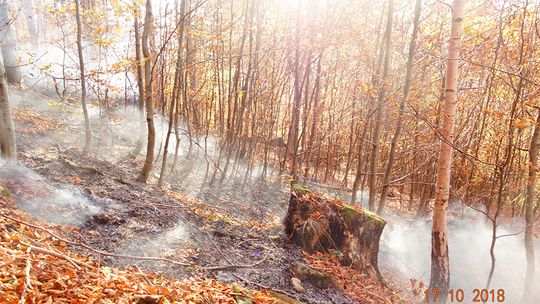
[
  {"x": 406, "y": 246},
  {"x": 201, "y": 169},
  {"x": 241, "y": 195},
  {"x": 34, "y": 194},
  {"x": 200, "y": 162}
]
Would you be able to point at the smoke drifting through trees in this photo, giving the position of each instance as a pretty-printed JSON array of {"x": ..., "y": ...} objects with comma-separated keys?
[
  {"x": 406, "y": 246},
  {"x": 258, "y": 88}
]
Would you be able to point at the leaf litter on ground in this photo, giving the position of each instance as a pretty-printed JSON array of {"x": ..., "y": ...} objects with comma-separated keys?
[{"x": 35, "y": 267}]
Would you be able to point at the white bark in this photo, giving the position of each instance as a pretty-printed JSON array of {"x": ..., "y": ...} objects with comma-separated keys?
[
  {"x": 440, "y": 271},
  {"x": 9, "y": 42},
  {"x": 8, "y": 147}
]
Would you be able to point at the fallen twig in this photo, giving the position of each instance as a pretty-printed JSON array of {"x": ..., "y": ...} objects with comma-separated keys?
[
  {"x": 85, "y": 245},
  {"x": 100, "y": 252},
  {"x": 135, "y": 257},
  {"x": 263, "y": 286},
  {"x": 218, "y": 249},
  {"x": 247, "y": 240},
  {"x": 75, "y": 166},
  {"x": 232, "y": 266},
  {"x": 27, "y": 277},
  {"x": 27, "y": 269},
  {"x": 76, "y": 263}
]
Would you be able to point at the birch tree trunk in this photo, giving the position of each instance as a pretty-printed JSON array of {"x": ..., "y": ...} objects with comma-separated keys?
[
  {"x": 440, "y": 271},
  {"x": 27, "y": 7},
  {"x": 8, "y": 147},
  {"x": 87, "y": 127},
  {"x": 9, "y": 42},
  {"x": 149, "y": 161}
]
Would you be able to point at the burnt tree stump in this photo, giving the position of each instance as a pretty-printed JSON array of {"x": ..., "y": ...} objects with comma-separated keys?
[{"x": 320, "y": 225}]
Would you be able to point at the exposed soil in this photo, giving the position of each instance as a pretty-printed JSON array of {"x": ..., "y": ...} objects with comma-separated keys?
[{"x": 140, "y": 219}]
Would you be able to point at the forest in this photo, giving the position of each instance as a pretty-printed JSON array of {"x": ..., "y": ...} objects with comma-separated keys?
[{"x": 269, "y": 151}]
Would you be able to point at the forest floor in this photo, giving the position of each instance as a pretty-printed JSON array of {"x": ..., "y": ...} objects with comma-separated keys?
[{"x": 230, "y": 233}]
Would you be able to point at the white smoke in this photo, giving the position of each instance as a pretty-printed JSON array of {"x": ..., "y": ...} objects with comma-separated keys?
[
  {"x": 33, "y": 194},
  {"x": 165, "y": 243},
  {"x": 406, "y": 247}
]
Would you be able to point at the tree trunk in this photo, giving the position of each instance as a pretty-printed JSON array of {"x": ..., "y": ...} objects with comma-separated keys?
[
  {"x": 27, "y": 7},
  {"x": 149, "y": 161},
  {"x": 380, "y": 104},
  {"x": 8, "y": 147},
  {"x": 292, "y": 141},
  {"x": 140, "y": 82},
  {"x": 440, "y": 271},
  {"x": 534, "y": 148},
  {"x": 352, "y": 143},
  {"x": 316, "y": 112},
  {"x": 176, "y": 94},
  {"x": 9, "y": 43},
  {"x": 360, "y": 148},
  {"x": 87, "y": 127},
  {"x": 503, "y": 171},
  {"x": 406, "y": 88}
]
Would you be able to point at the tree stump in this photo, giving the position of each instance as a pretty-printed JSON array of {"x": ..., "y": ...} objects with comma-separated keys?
[{"x": 320, "y": 225}]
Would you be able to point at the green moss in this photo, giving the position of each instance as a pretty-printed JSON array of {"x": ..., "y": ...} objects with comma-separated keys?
[
  {"x": 314, "y": 277},
  {"x": 5, "y": 192},
  {"x": 304, "y": 271},
  {"x": 229, "y": 220},
  {"x": 243, "y": 299},
  {"x": 301, "y": 189},
  {"x": 335, "y": 252},
  {"x": 373, "y": 215},
  {"x": 283, "y": 299},
  {"x": 349, "y": 213}
]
